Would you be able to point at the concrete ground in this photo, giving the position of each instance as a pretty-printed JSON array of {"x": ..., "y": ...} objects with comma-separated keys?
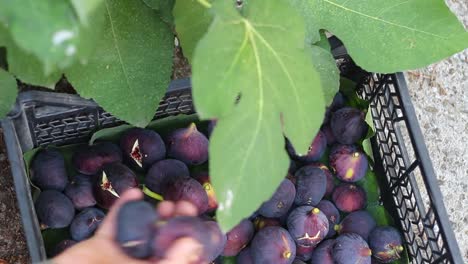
[{"x": 440, "y": 97}]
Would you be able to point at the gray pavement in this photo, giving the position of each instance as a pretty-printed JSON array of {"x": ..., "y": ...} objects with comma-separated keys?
[{"x": 440, "y": 97}]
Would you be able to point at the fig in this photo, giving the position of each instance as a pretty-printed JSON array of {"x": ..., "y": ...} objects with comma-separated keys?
[
  {"x": 349, "y": 197},
  {"x": 48, "y": 170},
  {"x": 323, "y": 252},
  {"x": 327, "y": 131},
  {"x": 204, "y": 179},
  {"x": 280, "y": 202},
  {"x": 311, "y": 185},
  {"x": 245, "y": 257},
  {"x": 54, "y": 209},
  {"x": 330, "y": 177},
  {"x": 304, "y": 253},
  {"x": 142, "y": 147},
  {"x": 217, "y": 242},
  {"x": 89, "y": 160},
  {"x": 315, "y": 152},
  {"x": 179, "y": 227},
  {"x": 358, "y": 222},
  {"x": 85, "y": 223},
  {"x": 136, "y": 228},
  {"x": 262, "y": 222},
  {"x": 307, "y": 225},
  {"x": 386, "y": 244},
  {"x": 332, "y": 213},
  {"x": 80, "y": 192},
  {"x": 238, "y": 238},
  {"x": 349, "y": 163},
  {"x": 351, "y": 248},
  {"x": 188, "y": 145},
  {"x": 187, "y": 189},
  {"x": 298, "y": 261},
  {"x": 348, "y": 125},
  {"x": 273, "y": 245},
  {"x": 114, "y": 179},
  {"x": 163, "y": 173}
]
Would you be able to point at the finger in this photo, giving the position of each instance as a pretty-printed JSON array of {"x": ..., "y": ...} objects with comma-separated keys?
[
  {"x": 166, "y": 209},
  {"x": 184, "y": 251},
  {"x": 184, "y": 208},
  {"x": 107, "y": 228}
]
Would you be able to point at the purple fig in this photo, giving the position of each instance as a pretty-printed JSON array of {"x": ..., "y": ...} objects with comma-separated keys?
[
  {"x": 188, "y": 145},
  {"x": 280, "y": 202},
  {"x": 349, "y": 197},
  {"x": 89, "y": 160},
  {"x": 351, "y": 248},
  {"x": 386, "y": 244},
  {"x": 48, "y": 170},
  {"x": 307, "y": 225},
  {"x": 142, "y": 147},
  {"x": 349, "y": 163},
  {"x": 358, "y": 222},
  {"x": 114, "y": 179},
  {"x": 273, "y": 245},
  {"x": 348, "y": 125}
]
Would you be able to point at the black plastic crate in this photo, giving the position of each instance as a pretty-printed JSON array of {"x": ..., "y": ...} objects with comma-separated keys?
[{"x": 41, "y": 119}]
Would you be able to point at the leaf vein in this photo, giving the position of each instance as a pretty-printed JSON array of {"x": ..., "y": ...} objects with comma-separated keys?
[{"x": 382, "y": 20}]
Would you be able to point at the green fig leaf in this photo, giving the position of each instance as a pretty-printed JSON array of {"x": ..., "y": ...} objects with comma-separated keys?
[
  {"x": 389, "y": 35},
  {"x": 192, "y": 20},
  {"x": 266, "y": 85},
  {"x": 132, "y": 65}
]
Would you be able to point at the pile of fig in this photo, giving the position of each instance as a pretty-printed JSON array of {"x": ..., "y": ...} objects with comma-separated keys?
[{"x": 316, "y": 215}]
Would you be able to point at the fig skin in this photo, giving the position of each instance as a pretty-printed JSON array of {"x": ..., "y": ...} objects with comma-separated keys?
[
  {"x": 54, "y": 209},
  {"x": 280, "y": 202},
  {"x": 204, "y": 179},
  {"x": 85, "y": 223},
  {"x": 238, "y": 238},
  {"x": 348, "y": 125},
  {"x": 358, "y": 222},
  {"x": 311, "y": 185},
  {"x": 142, "y": 147},
  {"x": 332, "y": 214},
  {"x": 187, "y": 189},
  {"x": 80, "y": 192},
  {"x": 307, "y": 225},
  {"x": 114, "y": 180},
  {"x": 273, "y": 245},
  {"x": 348, "y": 162},
  {"x": 89, "y": 160},
  {"x": 349, "y": 197},
  {"x": 163, "y": 173},
  {"x": 188, "y": 145},
  {"x": 323, "y": 252},
  {"x": 48, "y": 171},
  {"x": 135, "y": 228},
  {"x": 245, "y": 257},
  {"x": 351, "y": 248},
  {"x": 328, "y": 173},
  {"x": 315, "y": 152},
  {"x": 386, "y": 244}
]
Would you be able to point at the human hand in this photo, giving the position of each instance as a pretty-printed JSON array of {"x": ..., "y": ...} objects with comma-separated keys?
[{"x": 102, "y": 247}]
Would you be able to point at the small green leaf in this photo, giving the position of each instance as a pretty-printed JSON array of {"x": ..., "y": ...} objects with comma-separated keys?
[
  {"x": 131, "y": 68},
  {"x": 380, "y": 215},
  {"x": 23, "y": 65},
  {"x": 8, "y": 91},
  {"x": 52, "y": 30},
  {"x": 323, "y": 42},
  {"x": 366, "y": 144},
  {"x": 348, "y": 88},
  {"x": 280, "y": 92},
  {"x": 389, "y": 35},
  {"x": 192, "y": 21},
  {"x": 329, "y": 74},
  {"x": 371, "y": 185}
]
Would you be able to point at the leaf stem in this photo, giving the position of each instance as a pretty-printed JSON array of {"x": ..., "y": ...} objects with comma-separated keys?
[{"x": 205, "y": 3}]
